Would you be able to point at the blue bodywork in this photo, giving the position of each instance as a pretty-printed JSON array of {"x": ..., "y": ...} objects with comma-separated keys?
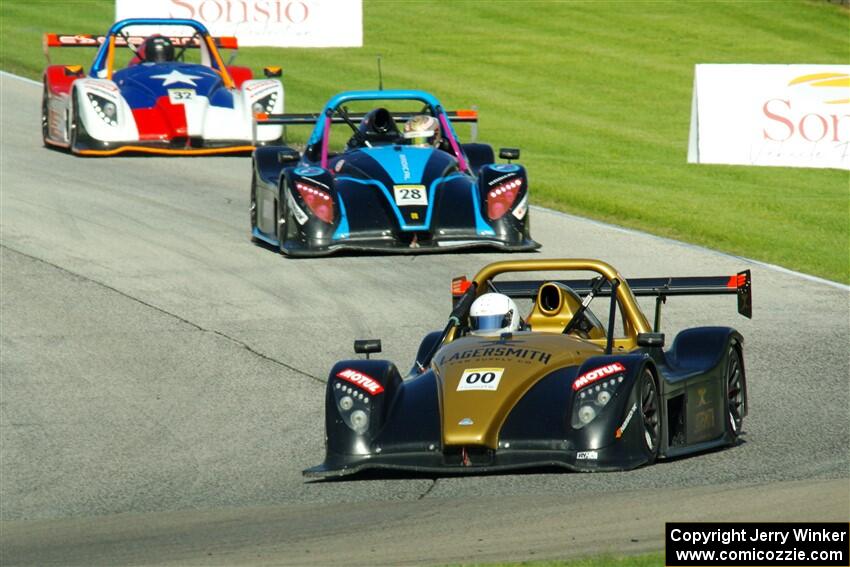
[
  {"x": 141, "y": 85},
  {"x": 364, "y": 182}
]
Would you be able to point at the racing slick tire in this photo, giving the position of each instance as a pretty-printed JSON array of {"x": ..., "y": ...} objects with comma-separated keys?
[
  {"x": 283, "y": 219},
  {"x": 650, "y": 413},
  {"x": 45, "y": 126},
  {"x": 253, "y": 209},
  {"x": 76, "y": 130},
  {"x": 735, "y": 388}
]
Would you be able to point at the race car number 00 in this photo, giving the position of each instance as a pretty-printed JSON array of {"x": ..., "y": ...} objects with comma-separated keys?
[
  {"x": 179, "y": 96},
  {"x": 406, "y": 195},
  {"x": 480, "y": 379}
]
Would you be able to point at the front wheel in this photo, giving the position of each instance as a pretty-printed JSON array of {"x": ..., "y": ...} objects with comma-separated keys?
[
  {"x": 45, "y": 116},
  {"x": 76, "y": 130},
  {"x": 651, "y": 415},
  {"x": 253, "y": 209},
  {"x": 281, "y": 219}
]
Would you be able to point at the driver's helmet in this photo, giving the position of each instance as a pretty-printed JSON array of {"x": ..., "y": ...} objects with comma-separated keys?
[
  {"x": 422, "y": 130},
  {"x": 493, "y": 314},
  {"x": 156, "y": 49}
]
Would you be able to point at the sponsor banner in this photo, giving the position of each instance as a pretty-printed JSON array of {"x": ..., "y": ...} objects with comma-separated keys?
[
  {"x": 276, "y": 23},
  {"x": 361, "y": 380},
  {"x": 597, "y": 374},
  {"x": 779, "y": 115},
  {"x": 760, "y": 544}
]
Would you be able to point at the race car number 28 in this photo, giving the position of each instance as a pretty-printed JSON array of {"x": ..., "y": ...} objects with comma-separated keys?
[
  {"x": 406, "y": 195},
  {"x": 179, "y": 96},
  {"x": 480, "y": 379}
]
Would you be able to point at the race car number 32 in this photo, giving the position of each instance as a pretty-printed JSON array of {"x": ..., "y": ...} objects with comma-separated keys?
[
  {"x": 406, "y": 195},
  {"x": 480, "y": 379},
  {"x": 179, "y": 96}
]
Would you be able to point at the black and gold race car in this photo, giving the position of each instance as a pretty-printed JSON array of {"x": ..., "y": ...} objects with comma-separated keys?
[{"x": 566, "y": 390}]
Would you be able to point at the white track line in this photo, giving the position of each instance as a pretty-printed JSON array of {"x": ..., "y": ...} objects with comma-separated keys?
[
  {"x": 697, "y": 247},
  {"x": 24, "y": 79},
  {"x": 621, "y": 229}
]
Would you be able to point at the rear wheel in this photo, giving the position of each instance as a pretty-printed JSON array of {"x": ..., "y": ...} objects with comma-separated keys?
[
  {"x": 650, "y": 414},
  {"x": 734, "y": 393}
]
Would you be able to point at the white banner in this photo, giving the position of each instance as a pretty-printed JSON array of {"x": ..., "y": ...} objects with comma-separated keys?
[
  {"x": 278, "y": 23},
  {"x": 782, "y": 115}
]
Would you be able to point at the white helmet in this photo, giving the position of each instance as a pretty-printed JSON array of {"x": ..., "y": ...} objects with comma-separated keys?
[
  {"x": 493, "y": 314},
  {"x": 422, "y": 130}
]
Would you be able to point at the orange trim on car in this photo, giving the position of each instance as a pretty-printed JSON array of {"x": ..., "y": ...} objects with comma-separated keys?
[
  {"x": 737, "y": 281},
  {"x": 167, "y": 151},
  {"x": 228, "y": 82},
  {"x": 110, "y": 55},
  {"x": 228, "y": 42},
  {"x": 460, "y": 285}
]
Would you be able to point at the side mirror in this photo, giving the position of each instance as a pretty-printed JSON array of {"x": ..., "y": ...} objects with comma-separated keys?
[
  {"x": 271, "y": 72},
  {"x": 650, "y": 340},
  {"x": 287, "y": 155},
  {"x": 509, "y": 153},
  {"x": 367, "y": 346}
]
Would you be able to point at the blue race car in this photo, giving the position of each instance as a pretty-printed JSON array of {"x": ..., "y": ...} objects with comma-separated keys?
[{"x": 391, "y": 180}]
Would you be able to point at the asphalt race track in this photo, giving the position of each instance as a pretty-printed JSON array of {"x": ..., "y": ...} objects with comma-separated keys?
[{"x": 163, "y": 381}]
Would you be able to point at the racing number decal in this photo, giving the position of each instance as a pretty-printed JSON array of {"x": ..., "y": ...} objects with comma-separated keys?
[
  {"x": 480, "y": 379},
  {"x": 179, "y": 96},
  {"x": 406, "y": 195}
]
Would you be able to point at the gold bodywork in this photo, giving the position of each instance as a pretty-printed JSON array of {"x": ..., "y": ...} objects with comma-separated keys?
[
  {"x": 554, "y": 308},
  {"x": 474, "y": 416}
]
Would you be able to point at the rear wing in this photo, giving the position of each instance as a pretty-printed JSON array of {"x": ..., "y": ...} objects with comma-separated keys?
[
  {"x": 88, "y": 40},
  {"x": 262, "y": 119},
  {"x": 660, "y": 288},
  {"x": 296, "y": 119}
]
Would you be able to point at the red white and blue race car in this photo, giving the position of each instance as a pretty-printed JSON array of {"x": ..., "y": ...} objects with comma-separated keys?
[{"x": 164, "y": 94}]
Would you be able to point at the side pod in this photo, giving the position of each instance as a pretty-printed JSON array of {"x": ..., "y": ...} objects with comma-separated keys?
[{"x": 267, "y": 165}]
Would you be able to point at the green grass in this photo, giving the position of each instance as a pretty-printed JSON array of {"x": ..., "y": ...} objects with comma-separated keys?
[
  {"x": 597, "y": 95},
  {"x": 651, "y": 560}
]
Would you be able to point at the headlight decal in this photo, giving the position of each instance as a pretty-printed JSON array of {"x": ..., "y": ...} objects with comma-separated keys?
[
  {"x": 595, "y": 389},
  {"x": 354, "y": 398},
  {"x": 317, "y": 200},
  {"x": 104, "y": 108},
  {"x": 264, "y": 105},
  {"x": 501, "y": 197}
]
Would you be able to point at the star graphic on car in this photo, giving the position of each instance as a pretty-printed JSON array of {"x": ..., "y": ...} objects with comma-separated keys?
[{"x": 176, "y": 76}]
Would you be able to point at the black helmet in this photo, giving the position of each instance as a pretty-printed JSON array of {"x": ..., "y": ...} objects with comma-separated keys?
[{"x": 157, "y": 49}]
